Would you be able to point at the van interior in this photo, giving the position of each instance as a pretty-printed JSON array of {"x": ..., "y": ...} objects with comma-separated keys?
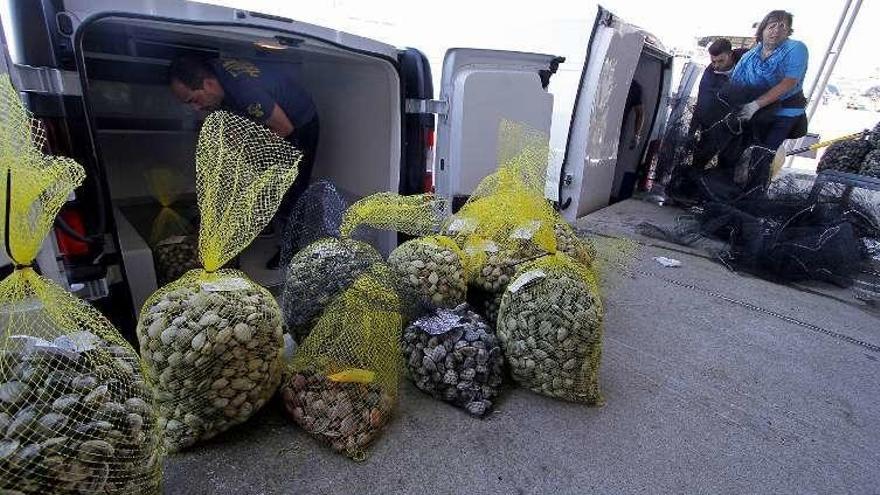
[
  {"x": 140, "y": 128},
  {"x": 631, "y": 167}
]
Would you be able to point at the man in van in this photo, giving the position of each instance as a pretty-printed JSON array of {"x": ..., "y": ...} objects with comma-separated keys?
[{"x": 266, "y": 92}]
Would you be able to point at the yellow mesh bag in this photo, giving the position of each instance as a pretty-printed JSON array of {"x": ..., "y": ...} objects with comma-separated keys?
[
  {"x": 507, "y": 221},
  {"x": 212, "y": 340},
  {"x": 76, "y": 412},
  {"x": 343, "y": 380},
  {"x": 172, "y": 237},
  {"x": 432, "y": 272},
  {"x": 550, "y": 327},
  {"x": 316, "y": 275},
  {"x": 418, "y": 214},
  {"x": 321, "y": 271}
]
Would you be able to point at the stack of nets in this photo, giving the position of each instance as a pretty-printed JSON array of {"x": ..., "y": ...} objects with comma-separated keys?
[
  {"x": 789, "y": 234},
  {"x": 212, "y": 339},
  {"x": 76, "y": 411}
]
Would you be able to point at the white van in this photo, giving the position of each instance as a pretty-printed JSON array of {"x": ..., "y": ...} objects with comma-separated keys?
[{"x": 94, "y": 72}]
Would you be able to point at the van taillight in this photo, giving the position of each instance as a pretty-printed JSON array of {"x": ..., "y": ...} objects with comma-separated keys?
[
  {"x": 69, "y": 245},
  {"x": 428, "y": 185}
]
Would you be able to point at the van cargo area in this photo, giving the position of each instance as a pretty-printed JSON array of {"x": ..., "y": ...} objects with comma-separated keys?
[
  {"x": 142, "y": 129},
  {"x": 715, "y": 383}
]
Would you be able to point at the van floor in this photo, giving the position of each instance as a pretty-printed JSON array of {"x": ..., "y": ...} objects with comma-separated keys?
[{"x": 715, "y": 383}]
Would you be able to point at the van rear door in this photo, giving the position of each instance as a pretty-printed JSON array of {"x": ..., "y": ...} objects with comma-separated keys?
[
  {"x": 588, "y": 168},
  {"x": 479, "y": 89}
]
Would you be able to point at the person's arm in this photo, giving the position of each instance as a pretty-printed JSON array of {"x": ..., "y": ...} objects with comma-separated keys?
[
  {"x": 776, "y": 92},
  {"x": 279, "y": 122}
]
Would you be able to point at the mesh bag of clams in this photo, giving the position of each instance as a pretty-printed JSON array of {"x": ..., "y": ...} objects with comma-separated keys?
[
  {"x": 318, "y": 274},
  {"x": 212, "y": 340},
  {"x": 550, "y": 327},
  {"x": 507, "y": 221},
  {"x": 76, "y": 413},
  {"x": 845, "y": 156},
  {"x": 324, "y": 269},
  {"x": 172, "y": 236},
  {"x": 428, "y": 270},
  {"x": 316, "y": 215},
  {"x": 343, "y": 380},
  {"x": 454, "y": 355},
  {"x": 432, "y": 272}
]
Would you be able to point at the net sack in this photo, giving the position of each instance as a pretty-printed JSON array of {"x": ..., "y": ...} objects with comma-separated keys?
[
  {"x": 76, "y": 411},
  {"x": 431, "y": 273},
  {"x": 454, "y": 355},
  {"x": 212, "y": 340},
  {"x": 344, "y": 378},
  {"x": 316, "y": 215},
  {"x": 172, "y": 238},
  {"x": 416, "y": 215},
  {"x": 317, "y": 275},
  {"x": 550, "y": 327},
  {"x": 323, "y": 270},
  {"x": 174, "y": 256}
]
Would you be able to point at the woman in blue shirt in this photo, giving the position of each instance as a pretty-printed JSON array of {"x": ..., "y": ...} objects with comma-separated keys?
[{"x": 776, "y": 67}]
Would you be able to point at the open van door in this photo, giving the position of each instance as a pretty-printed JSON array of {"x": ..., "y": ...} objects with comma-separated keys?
[
  {"x": 615, "y": 51},
  {"x": 479, "y": 89}
]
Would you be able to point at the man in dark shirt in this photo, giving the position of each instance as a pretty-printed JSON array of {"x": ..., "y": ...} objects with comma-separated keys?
[
  {"x": 266, "y": 92},
  {"x": 716, "y": 75}
]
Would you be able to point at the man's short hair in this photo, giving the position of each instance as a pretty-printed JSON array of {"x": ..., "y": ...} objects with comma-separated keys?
[
  {"x": 775, "y": 16},
  {"x": 191, "y": 71},
  {"x": 719, "y": 46}
]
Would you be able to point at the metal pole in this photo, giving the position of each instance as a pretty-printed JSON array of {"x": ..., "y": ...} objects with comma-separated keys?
[
  {"x": 826, "y": 69},
  {"x": 830, "y": 48},
  {"x": 814, "y": 103}
]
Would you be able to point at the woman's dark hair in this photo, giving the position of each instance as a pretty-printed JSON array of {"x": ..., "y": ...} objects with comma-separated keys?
[
  {"x": 191, "y": 71},
  {"x": 777, "y": 16}
]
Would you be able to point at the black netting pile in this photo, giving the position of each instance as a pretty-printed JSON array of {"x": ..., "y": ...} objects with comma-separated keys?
[
  {"x": 705, "y": 140},
  {"x": 788, "y": 234}
]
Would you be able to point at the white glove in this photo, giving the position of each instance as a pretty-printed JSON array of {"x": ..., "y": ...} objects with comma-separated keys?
[{"x": 748, "y": 110}]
